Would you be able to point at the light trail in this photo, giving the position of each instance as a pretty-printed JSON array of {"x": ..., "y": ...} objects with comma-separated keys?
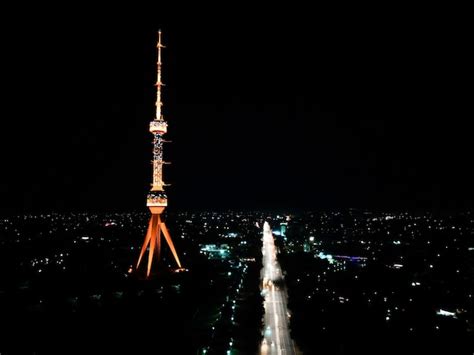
[
  {"x": 276, "y": 332},
  {"x": 276, "y": 321}
]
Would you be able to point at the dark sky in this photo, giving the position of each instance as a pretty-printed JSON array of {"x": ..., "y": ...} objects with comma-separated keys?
[{"x": 292, "y": 109}]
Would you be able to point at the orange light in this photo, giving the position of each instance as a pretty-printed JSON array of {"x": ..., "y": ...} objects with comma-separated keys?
[
  {"x": 152, "y": 239},
  {"x": 157, "y": 204}
]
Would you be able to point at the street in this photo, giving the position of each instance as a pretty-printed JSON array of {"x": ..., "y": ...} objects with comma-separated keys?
[{"x": 276, "y": 332}]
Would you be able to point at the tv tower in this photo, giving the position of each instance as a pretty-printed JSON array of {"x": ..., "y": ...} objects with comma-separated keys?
[{"x": 157, "y": 199}]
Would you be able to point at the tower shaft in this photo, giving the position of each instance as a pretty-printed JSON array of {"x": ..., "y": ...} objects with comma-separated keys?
[
  {"x": 157, "y": 184},
  {"x": 157, "y": 199}
]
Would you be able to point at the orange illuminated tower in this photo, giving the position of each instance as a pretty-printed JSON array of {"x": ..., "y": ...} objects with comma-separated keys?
[{"x": 157, "y": 199}]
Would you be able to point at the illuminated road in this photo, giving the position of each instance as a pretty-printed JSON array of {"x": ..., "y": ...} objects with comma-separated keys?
[{"x": 276, "y": 333}]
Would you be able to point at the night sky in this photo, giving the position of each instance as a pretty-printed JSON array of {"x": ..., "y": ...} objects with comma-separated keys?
[{"x": 298, "y": 109}]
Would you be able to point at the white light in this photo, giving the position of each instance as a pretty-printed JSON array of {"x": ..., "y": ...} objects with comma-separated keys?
[{"x": 442, "y": 312}]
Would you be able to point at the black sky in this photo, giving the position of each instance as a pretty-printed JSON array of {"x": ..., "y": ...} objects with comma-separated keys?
[{"x": 298, "y": 109}]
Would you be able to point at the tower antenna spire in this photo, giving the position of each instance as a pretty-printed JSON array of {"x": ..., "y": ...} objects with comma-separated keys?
[
  {"x": 159, "y": 83},
  {"x": 157, "y": 199}
]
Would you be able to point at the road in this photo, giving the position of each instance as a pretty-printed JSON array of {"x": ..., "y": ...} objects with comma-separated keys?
[{"x": 276, "y": 332}]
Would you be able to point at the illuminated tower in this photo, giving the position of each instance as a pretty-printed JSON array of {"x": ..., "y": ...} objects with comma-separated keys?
[{"x": 156, "y": 199}]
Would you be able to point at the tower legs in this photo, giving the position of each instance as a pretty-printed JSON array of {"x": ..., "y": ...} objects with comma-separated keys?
[
  {"x": 170, "y": 242},
  {"x": 147, "y": 240},
  {"x": 153, "y": 239}
]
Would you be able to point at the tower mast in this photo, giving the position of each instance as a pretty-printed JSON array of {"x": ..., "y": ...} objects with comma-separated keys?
[
  {"x": 157, "y": 199},
  {"x": 158, "y": 79},
  {"x": 158, "y": 127}
]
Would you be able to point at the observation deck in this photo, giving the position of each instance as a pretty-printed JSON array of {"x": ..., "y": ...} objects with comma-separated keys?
[
  {"x": 157, "y": 199},
  {"x": 158, "y": 126}
]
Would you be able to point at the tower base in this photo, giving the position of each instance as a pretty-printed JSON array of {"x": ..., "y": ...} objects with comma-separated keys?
[{"x": 153, "y": 239}]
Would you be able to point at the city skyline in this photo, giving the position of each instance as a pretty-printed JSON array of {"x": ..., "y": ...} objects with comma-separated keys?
[
  {"x": 319, "y": 197},
  {"x": 357, "y": 282}
]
